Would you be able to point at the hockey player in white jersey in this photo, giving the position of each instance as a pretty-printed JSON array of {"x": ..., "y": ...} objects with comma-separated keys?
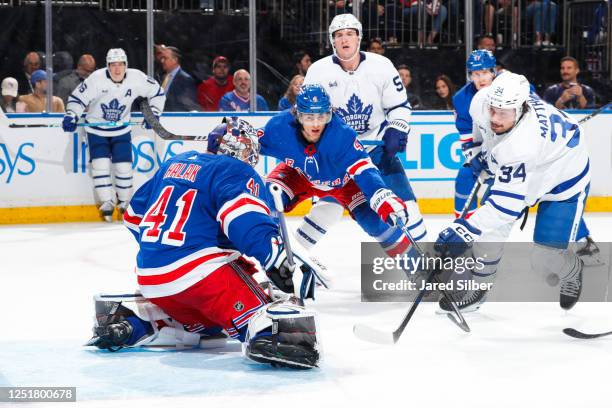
[
  {"x": 536, "y": 154},
  {"x": 108, "y": 94},
  {"x": 367, "y": 93}
]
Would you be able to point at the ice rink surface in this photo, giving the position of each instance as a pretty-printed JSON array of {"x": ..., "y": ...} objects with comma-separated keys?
[{"x": 516, "y": 355}]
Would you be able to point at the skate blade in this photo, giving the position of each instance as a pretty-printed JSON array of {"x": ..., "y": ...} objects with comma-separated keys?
[{"x": 469, "y": 309}]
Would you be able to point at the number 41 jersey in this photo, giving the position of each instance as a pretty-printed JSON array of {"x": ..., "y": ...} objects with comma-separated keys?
[{"x": 198, "y": 212}]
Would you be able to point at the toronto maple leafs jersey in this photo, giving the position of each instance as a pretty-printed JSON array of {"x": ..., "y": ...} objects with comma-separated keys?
[
  {"x": 367, "y": 98},
  {"x": 543, "y": 158},
  {"x": 108, "y": 101},
  {"x": 199, "y": 212},
  {"x": 330, "y": 163}
]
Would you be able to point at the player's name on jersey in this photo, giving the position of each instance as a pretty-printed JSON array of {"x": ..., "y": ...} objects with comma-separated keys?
[{"x": 407, "y": 285}]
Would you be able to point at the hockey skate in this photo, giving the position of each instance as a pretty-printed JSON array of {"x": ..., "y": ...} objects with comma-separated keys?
[
  {"x": 571, "y": 289},
  {"x": 122, "y": 208},
  {"x": 470, "y": 302},
  {"x": 107, "y": 209},
  {"x": 588, "y": 252}
]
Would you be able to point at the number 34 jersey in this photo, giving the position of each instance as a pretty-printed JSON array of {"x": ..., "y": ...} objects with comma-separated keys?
[
  {"x": 198, "y": 212},
  {"x": 543, "y": 158}
]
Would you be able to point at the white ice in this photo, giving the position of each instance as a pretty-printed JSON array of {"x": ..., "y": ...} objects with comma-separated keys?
[{"x": 515, "y": 355}]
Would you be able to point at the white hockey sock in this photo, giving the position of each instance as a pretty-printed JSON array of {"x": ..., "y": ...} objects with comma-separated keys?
[
  {"x": 416, "y": 226},
  {"x": 322, "y": 217},
  {"x": 101, "y": 174},
  {"x": 123, "y": 180}
]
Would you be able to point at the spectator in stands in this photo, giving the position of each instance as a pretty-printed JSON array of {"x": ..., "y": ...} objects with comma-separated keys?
[
  {"x": 180, "y": 87},
  {"x": 569, "y": 93},
  {"x": 435, "y": 12},
  {"x": 445, "y": 89},
  {"x": 288, "y": 100},
  {"x": 212, "y": 90},
  {"x": 9, "y": 95},
  {"x": 544, "y": 15},
  {"x": 406, "y": 77},
  {"x": 31, "y": 63},
  {"x": 37, "y": 100},
  {"x": 376, "y": 46},
  {"x": 238, "y": 99},
  {"x": 503, "y": 9},
  {"x": 486, "y": 42},
  {"x": 301, "y": 62},
  {"x": 85, "y": 66}
]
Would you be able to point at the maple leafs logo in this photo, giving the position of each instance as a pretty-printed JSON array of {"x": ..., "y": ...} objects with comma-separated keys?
[
  {"x": 356, "y": 115},
  {"x": 113, "y": 111}
]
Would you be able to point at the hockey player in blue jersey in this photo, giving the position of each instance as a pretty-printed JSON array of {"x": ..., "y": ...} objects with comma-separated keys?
[
  {"x": 107, "y": 96},
  {"x": 367, "y": 93},
  {"x": 320, "y": 155},
  {"x": 480, "y": 67},
  {"x": 193, "y": 222}
]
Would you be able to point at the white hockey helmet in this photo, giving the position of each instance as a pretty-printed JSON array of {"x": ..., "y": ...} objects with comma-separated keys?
[
  {"x": 116, "y": 55},
  {"x": 341, "y": 22},
  {"x": 509, "y": 91}
]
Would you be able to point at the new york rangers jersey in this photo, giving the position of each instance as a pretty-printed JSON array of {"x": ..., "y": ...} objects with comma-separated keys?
[
  {"x": 543, "y": 158},
  {"x": 463, "y": 121},
  {"x": 367, "y": 98},
  {"x": 109, "y": 101},
  {"x": 199, "y": 212},
  {"x": 330, "y": 163}
]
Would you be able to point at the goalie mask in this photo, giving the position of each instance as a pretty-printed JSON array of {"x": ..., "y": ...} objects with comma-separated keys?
[{"x": 240, "y": 141}]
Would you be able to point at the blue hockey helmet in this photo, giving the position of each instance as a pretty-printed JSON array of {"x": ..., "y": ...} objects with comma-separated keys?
[
  {"x": 313, "y": 99},
  {"x": 479, "y": 60},
  {"x": 313, "y": 103}
]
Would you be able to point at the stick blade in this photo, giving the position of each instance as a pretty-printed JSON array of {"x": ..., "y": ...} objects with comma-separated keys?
[
  {"x": 372, "y": 335},
  {"x": 580, "y": 335}
]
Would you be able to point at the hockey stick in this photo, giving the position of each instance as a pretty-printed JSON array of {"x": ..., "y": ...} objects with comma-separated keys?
[
  {"x": 373, "y": 335},
  {"x": 595, "y": 113},
  {"x": 162, "y": 132},
  {"x": 59, "y": 125},
  {"x": 580, "y": 335}
]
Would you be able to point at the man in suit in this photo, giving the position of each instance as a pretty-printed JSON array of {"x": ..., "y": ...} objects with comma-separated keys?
[
  {"x": 180, "y": 87},
  {"x": 31, "y": 63}
]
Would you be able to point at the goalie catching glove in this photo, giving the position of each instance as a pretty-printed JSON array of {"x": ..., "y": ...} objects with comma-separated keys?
[{"x": 299, "y": 279}]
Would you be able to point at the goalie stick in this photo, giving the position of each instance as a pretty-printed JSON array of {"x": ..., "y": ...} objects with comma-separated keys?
[
  {"x": 373, "y": 335},
  {"x": 161, "y": 131}
]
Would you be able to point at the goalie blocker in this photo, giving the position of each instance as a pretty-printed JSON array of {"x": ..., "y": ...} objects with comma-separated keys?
[{"x": 282, "y": 333}]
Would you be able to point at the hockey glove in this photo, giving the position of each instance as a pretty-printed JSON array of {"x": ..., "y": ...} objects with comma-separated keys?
[
  {"x": 214, "y": 138},
  {"x": 69, "y": 124},
  {"x": 456, "y": 239},
  {"x": 396, "y": 137},
  {"x": 389, "y": 207}
]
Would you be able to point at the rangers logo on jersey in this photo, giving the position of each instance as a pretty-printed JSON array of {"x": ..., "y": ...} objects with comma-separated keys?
[
  {"x": 356, "y": 115},
  {"x": 113, "y": 111}
]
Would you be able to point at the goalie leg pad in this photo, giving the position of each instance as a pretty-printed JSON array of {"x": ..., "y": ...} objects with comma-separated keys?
[{"x": 283, "y": 334}]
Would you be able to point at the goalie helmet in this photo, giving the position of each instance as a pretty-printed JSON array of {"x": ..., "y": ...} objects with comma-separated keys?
[
  {"x": 116, "y": 55},
  {"x": 341, "y": 22},
  {"x": 509, "y": 91},
  {"x": 240, "y": 141}
]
